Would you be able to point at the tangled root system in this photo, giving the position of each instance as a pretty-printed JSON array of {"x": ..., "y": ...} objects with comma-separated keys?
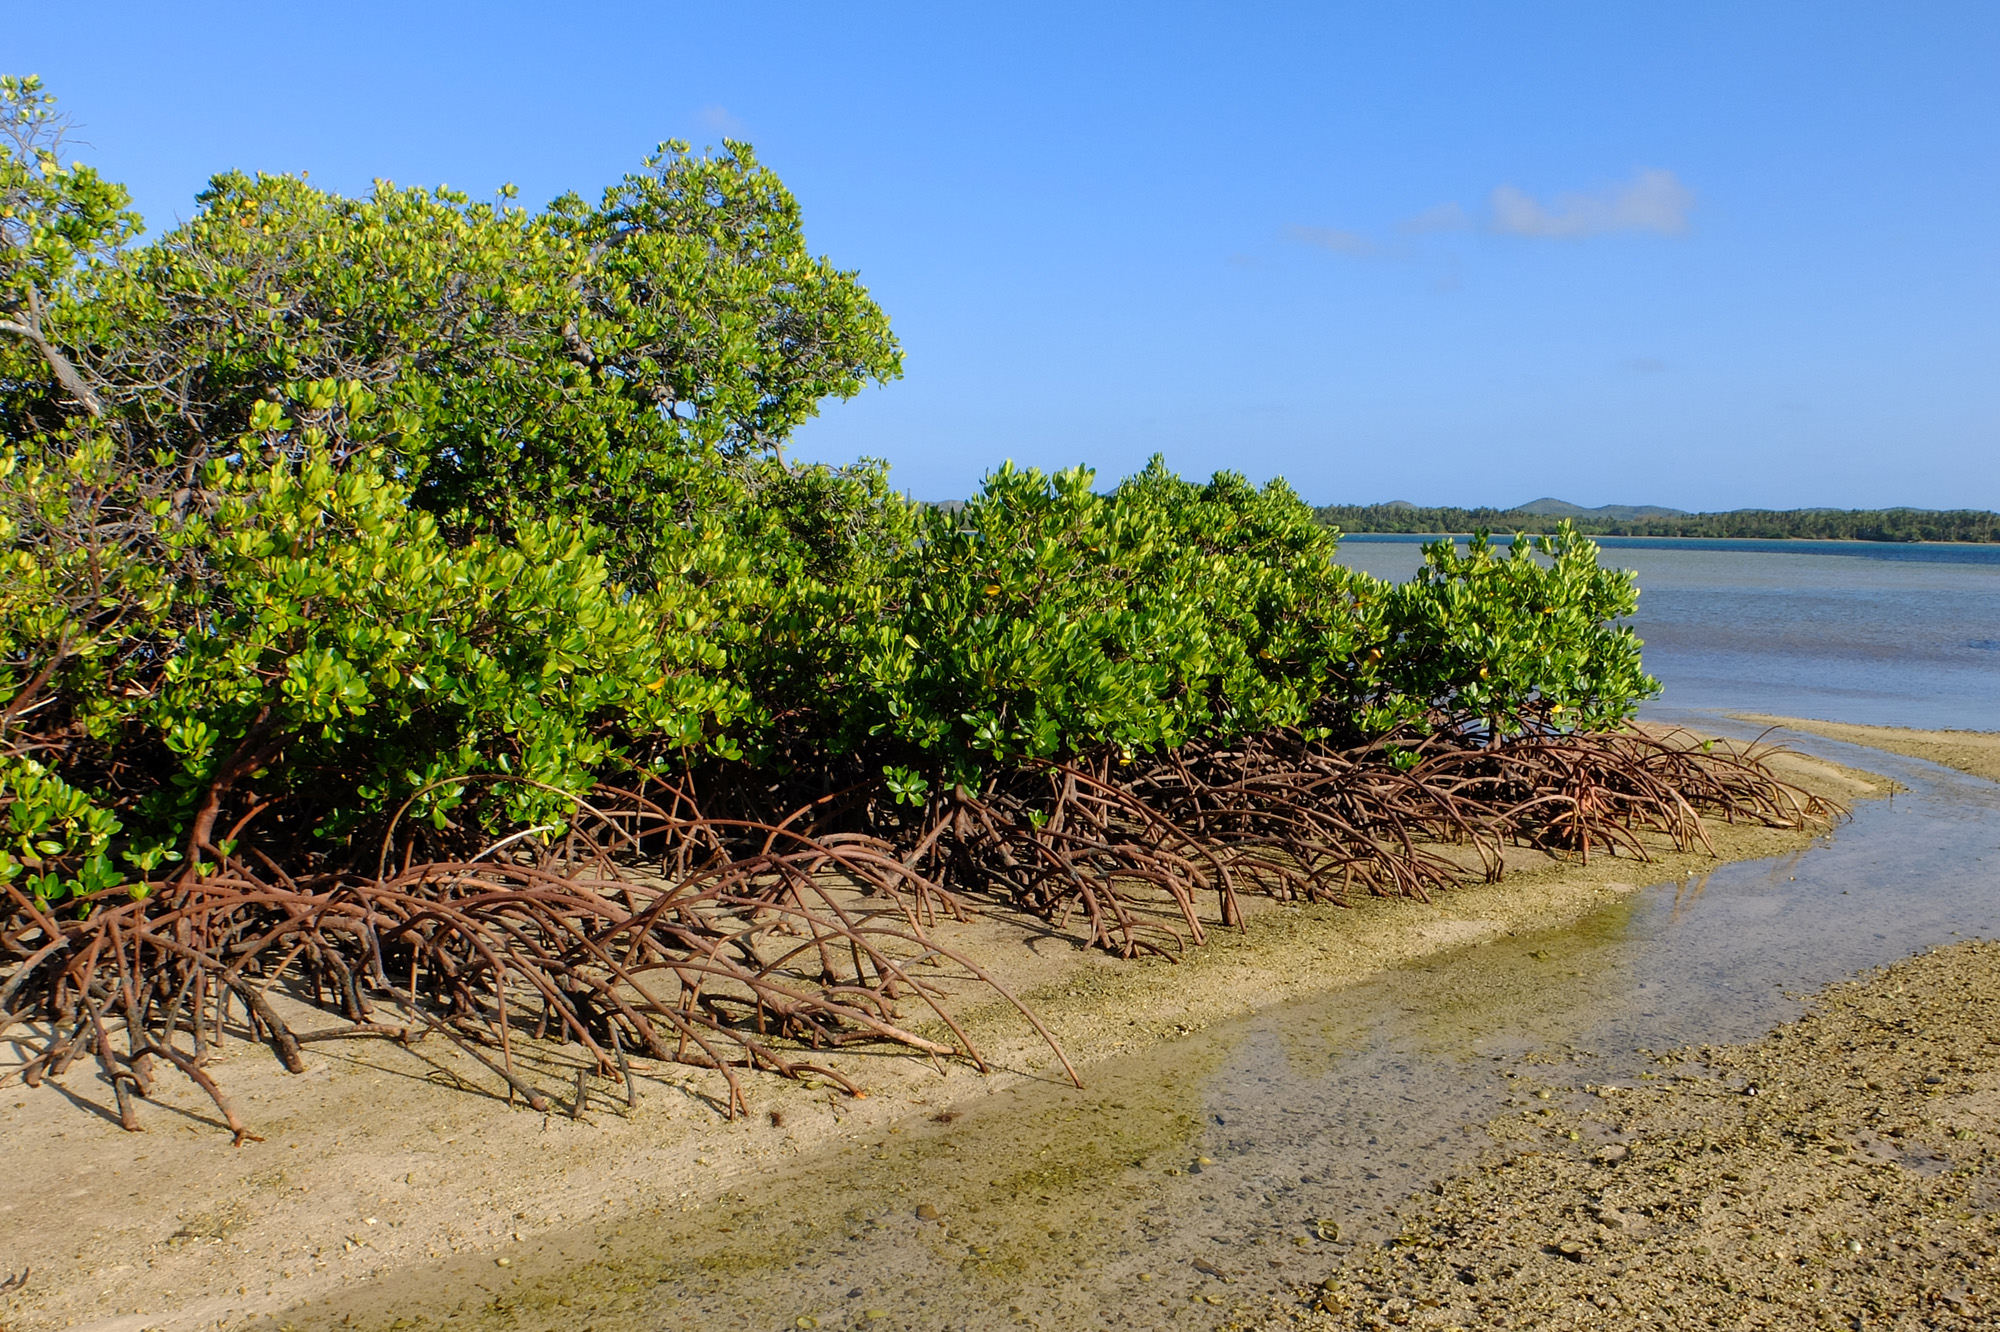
[
  {"x": 649, "y": 930},
  {"x": 1282, "y": 814},
  {"x": 706, "y": 956}
]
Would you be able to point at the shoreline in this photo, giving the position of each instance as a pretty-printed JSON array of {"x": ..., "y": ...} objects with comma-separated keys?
[
  {"x": 1976, "y": 753},
  {"x": 173, "y": 1229}
]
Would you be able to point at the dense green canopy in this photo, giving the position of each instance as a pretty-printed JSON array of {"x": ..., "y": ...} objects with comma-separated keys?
[{"x": 324, "y": 505}]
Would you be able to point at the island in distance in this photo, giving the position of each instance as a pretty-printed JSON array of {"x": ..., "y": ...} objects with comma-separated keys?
[{"x": 1653, "y": 520}]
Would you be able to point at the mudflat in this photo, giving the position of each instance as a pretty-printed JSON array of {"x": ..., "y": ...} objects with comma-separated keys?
[{"x": 1844, "y": 1172}]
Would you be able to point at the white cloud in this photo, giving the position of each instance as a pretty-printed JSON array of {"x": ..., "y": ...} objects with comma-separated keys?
[
  {"x": 718, "y": 120},
  {"x": 1332, "y": 238},
  {"x": 1654, "y": 200},
  {"x": 1445, "y": 217}
]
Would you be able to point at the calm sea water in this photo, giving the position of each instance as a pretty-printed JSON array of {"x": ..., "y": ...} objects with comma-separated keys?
[{"x": 1870, "y": 632}]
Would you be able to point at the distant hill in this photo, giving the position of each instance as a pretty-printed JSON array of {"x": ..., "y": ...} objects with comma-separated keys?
[
  {"x": 1542, "y": 515},
  {"x": 1555, "y": 508}
]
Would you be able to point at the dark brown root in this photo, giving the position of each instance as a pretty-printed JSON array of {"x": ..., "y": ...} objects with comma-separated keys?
[
  {"x": 725, "y": 961},
  {"x": 1579, "y": 793},
  {"x": 1135, "y": 845}
]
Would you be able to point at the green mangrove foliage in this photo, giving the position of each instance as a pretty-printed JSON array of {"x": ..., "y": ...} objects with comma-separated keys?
[
  {"x": 1044, "y": 620},
  {"x": 311, "y": 506},
  {"x": 633, "y": 360},
  {"x": 1525, "y": 637},
  {"x": 329, "y": 496},
  {"x": 335, "y": 647}
]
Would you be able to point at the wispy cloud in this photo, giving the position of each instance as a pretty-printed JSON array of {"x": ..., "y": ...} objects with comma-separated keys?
[
  {"x": 1654, "y": 200},
  {"x": 718, "y": 120},
  {"x": 1444, "y": 217},
  {"x": 1332, "y": 238}
]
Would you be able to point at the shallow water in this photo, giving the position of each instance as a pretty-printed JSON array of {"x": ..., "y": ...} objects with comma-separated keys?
[
  {"x": 1855, "y": 631},
  {"x": 1064, "y": 1209}
]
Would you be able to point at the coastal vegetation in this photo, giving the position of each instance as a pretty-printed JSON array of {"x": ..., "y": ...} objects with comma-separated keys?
[
  {"x": 408, "y": 600},
  {"x": 1979, "y": 525}
]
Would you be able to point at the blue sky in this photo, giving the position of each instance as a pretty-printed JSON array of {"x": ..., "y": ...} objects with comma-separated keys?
[{"x": 1707, "y": 255}]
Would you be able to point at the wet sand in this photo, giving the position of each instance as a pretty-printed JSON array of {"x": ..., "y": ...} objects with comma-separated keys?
[
  {"x": 1976, "y": 752},
  {"x": 382, "y": 1160},
  {"x": 1842, "y": 1173}
]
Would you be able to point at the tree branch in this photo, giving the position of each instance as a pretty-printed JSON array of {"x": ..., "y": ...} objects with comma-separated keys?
[{"x": 65, "y": 373}]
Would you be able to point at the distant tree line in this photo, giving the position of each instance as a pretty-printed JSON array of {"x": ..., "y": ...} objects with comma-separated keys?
[{"x": 1803, "y": 524}]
